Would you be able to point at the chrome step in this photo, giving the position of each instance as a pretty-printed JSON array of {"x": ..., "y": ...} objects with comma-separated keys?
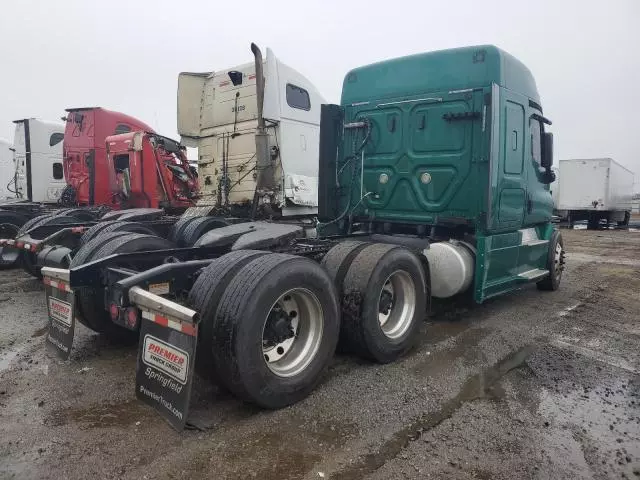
[
  {"x": 534, "y": 243},
  {"x": 534, "y": 274}
]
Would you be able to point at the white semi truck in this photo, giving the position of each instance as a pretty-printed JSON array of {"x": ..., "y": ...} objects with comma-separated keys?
[
  {"x": 593, "y": 189},
  {"x": 31, "y": 177},
  {"x": 256, "y": 154},
  {"x": 38, "y": 173}
]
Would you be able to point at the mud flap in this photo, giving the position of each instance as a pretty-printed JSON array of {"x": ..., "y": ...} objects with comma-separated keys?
[
  {"x": 60, "y": 305},
  {"x": 164, "y": 370}
]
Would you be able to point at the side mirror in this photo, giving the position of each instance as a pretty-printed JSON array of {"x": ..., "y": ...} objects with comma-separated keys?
[{"x": 547, "y": 150}]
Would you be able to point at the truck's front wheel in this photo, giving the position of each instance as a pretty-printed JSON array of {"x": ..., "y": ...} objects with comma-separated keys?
[
  {"x": 275, "y": 330},
  {"x": 555, "y": 263}
]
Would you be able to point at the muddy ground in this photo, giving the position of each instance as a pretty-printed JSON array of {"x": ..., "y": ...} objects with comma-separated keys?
[{"x": 530, "y": 385}]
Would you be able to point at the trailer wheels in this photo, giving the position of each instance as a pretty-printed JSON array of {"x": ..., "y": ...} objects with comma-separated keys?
[
  {"x": 383, "y": 302},
  {"x": 205, "y": 296},
  {"x": 114, "y": 226},
  {"x": 10, "y": 223},
  {"x": 275, "y": 330},
  {"x": 555, "y": 263},
  {"x": 93, "y": 311}
]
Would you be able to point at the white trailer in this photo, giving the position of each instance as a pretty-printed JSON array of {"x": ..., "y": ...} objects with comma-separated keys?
[
  {"x": 7, "y": 169},
  {"x": 221, "y": 113},
  {"x": 39, "y": 174},
  {"x": 593, "y": 189}
]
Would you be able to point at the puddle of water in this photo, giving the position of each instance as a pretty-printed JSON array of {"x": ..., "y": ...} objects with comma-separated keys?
[
  {"x": 10, "y": 356},
  {"x": 465, "y": 350},
  {"x": 100, "y": 416},
  {"x": 285, "y": 449},
  {"x": 442, "y": 330},
  {"x": 569, "y": 309},
  {"x": 595, "y": 426},
  {"x": 568, "y": 343},
  {"x": 484, "y": 385},
  {"x": 40, "y": 332}
]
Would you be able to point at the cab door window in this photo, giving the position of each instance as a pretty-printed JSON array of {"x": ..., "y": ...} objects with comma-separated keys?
[{"x": 536, "y": 141}]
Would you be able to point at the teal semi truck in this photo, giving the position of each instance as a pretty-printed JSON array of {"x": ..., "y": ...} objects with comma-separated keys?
[{"x": 433, "y": 182}]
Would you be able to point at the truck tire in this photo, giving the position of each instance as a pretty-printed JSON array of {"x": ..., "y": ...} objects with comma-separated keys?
[
  {"x": 114, "y": 226},
  {"x": 198, "y": 227},
  {"x": 338, "y": 260},
  {"x": 91, "y": 302},
  {"x": 30, "y": 259},
  {"x": 383, "y": 302},
  {"x": 82, "y": 256},
  {"x": 10, "y": 223},
  {"x": 80, "y": 214},
  {"x": 176, "y": 230},
  {"x": 625, "y": 222},
  {"x": 204, "y": 297},
  {"x": 555, "y": 263},
  {"x": 30, "y": 223},
  {"x": 275, "y": 330}
]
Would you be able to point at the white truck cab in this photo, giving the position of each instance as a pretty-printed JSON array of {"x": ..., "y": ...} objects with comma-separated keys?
[
  {"x": 38, "y": 174},
  {"x": 7, "y": 169},
  {"x": 218, "y": 113}
]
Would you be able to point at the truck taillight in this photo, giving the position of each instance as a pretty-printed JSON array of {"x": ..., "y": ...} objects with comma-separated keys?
[
  {"x": 132, "y": 317},
  {"x": 114, "y": 311}
]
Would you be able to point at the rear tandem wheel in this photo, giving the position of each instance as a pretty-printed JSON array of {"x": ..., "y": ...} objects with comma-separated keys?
[{"x": 274, "y": 330}]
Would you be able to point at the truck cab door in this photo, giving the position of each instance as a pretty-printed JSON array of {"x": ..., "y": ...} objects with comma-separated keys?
[
  {"x": 539, "y": 200},
  {"x": 510, "y": 175}
]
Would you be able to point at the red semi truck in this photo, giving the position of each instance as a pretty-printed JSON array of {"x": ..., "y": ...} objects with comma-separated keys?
[
  {"x": 111, "y": 161},
  {"x": 91, "y": 133}
]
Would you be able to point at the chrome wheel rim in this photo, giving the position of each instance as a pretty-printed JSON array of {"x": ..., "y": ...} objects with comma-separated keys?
[
  {"x": 292, "y": 332},
  {"x": 558, "y": 261},
  {"x": 396, "y": 304}
]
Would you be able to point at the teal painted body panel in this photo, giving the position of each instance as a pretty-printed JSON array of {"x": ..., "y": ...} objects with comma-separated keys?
[
  {"x": 453, "y": 69},
  {"x": 451, "y": 138},
  {"x": 417, "y": 166},
  {"x": 502, "y": 257}
]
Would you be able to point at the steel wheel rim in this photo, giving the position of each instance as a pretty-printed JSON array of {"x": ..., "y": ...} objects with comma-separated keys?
[
  {"x": 396, "y": 319},
  {"x": 9, "y": 255},
  {"x": 557, "y": 261},
  {"x": 289, "y": 357}
]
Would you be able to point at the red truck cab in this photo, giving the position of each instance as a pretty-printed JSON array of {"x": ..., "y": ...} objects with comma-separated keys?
[
  {"x": 84, "y": 153},
  {"x": 149, "y": 170},
  {"x": 157, "y": 174}
]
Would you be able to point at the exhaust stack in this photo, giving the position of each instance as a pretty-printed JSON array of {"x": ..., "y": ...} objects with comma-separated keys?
[{"x": 265, "y": 181}]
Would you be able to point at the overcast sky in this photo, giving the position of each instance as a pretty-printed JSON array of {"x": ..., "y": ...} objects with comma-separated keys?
[{"x": 126, "y": 55}]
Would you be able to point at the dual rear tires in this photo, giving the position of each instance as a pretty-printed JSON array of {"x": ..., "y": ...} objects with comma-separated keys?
[
  {"x": 270, "y": 323},
  {"x": 91, "y": 309},
  {"x": 383, "y": 292}
]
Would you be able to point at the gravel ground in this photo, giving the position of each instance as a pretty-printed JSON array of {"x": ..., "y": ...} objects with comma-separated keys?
[{"x": 529, "y": 385}]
